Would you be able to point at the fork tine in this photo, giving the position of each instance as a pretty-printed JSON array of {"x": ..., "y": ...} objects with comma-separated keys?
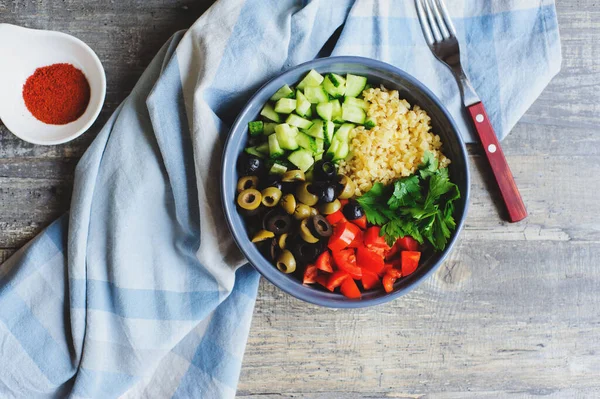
[
  {"x": 434, "y": 27},
  {"x": 440, "y": 21},
  {"x": 446, "y": 16},
  {"x": 424, "y": 23}
]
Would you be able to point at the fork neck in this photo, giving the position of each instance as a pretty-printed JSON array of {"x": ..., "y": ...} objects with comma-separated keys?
[{"x": 469, "y": 96}]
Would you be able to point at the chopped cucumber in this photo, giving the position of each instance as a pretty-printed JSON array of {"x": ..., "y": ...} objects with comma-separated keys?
[
  {"x": 269, "y": 128},
  {"x": 370, "y": 124},
  {"x": 320, "y": 146},
  {"x": 284, "y": 92},
  {"x": 335, "y": 145},
  {"x": 302, "y": 104},
  {"x": 334, "y": 85},
  {"x": 286, "y": 136},
  {"x": 285, "y": 105},
  {"x": 298, "y": 121},
  {"x": 329, "y": 130},
  {"x": 275, "y": 150},
  {"x": 263, "y": 148},
  {"x": 318, "y": 157},
  {"x": 316, "y": 130},
  {"x": 357, "y": 102},
  {"x": 325, "y": 110},
  {"x": 336, "y": 112},
  {"x": 313, "y": 78},
  {"x": 306, "y": 142},
  {"x": 353, "y": 113},
  {"x": 269, "y": 113},
  {"x": 302, "y": 158},
  {"x": 316, "y": 94},
  {"x": 341, "y": 152},
  {"x": 254, "y": 151},
  {"x": 355, "y": 85},
  {"x": 278, "y": 169},
  {"x": 343, "y": 132},
  {"x": 256, "y": 127}
]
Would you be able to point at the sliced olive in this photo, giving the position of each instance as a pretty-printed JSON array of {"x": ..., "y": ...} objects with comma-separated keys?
[
  {"x": 347, "y": 187},
  {"x": 293, "y": 175},
  {"x": 278, "y": 223},
  {"x": 305, "y": 232},
  {"x": 274, "y": 249},
  {"x": 282, "y": 240},
  {"x": 324, "y": 171},
  {"x": 248, "y": 165},
  {"x": 305, "y": 252},
  {"x": 319, "y": 226},
  {"x": 302, "y": 211},
  {"x": 352, "y": 210},
  {"x": 249, "y": 199},
  {"x": 247, "y": 182},
  {"x": 304, "y": 194},
  {"x": 329, "y": 208},
  {"x": 270, "y": 196},
  {"x": 271, "y": 181},
  {"x": 262, "y": 235},
  {"x": 325, "y": 191},
  {"x": 288, "y": 203},
  {"x": 313, "y": 211},
  {"x": 286, "y": 262}
]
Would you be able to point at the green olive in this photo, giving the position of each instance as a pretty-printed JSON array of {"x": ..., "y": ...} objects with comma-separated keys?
[
  {"x": 247, "y": 182},
  {"x": 282, "y": 240},
  {"x": 302, "y": 212},
  {"x": 348, "y": 187},
  {"x": 262, "y": 235},
  {"x": 288, "y": 203},
  {"x": 313, "y": 211},
  {"x": 306, "y": 234},
  {"x": 249, "y": 199},
  {"x": 293, "y": 175},
  {"x": 286, "y": 262},
  {"x": 330, "y": 207},
  {"x": 270, "y": 196},
  {"x": 304, "y": 195}
]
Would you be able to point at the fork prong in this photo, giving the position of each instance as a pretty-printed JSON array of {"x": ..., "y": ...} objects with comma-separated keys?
[
  {"x": 446, "y": 15},
  {"x": 424, "y": 23},
  {"x": 434, "y": 27},
  {"x": 440, "y": 21}
]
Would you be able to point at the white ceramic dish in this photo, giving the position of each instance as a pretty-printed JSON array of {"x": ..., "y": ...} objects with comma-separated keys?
[{"x": 23, "y": 51}]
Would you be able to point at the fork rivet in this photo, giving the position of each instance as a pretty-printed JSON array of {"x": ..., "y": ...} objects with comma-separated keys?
[
  {"x": 492, "y": 148},
  {"x": 479, "y": 118}
]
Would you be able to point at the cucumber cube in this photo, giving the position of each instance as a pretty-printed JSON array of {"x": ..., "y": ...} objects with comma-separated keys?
[
  {"x": 254, "y": 151},
  {"x": 328, "y": 133},
  {"x": 355, "y": 85},
  {"x": 256, "y": 127},
  {"x": 286, "y": 136},
  {"x": 316, "y": 130},
  {"x": 336, "y": 112},
  {"x": 357, "y": 102},
  {"x": 343, "y": 132},
  {"x": 316, "y": 94},
  {"x": 302, "y": 158},
  {"x": 325, "y": 110},
  {"x": 353, "y": 113},
  {"x": 302, "y": 104},
  {"x": 275, "y": 150},
  {"x": 284, "y": 92},
  {"x": 313, "y": 78},
  {"x": 277, "y": 169},
  {"x": 306, "y": 142},
  {"x": 285, "y": 105},
  {"x": 334, "y": 85},
  {"x": 269, "y": 128},
  {"x": 299, "y": 122},
  {"x": 269, "y": 113}
]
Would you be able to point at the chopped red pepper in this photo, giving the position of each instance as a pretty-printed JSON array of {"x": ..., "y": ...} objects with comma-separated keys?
[
  {"x": 410, "y": 261},
  {"x": 336, "y": 217},
  {"x": 346, "y": 260},
  {"x": 393, "y": 272},
  {"x": 343, "y": 202},
  {"x": 343, "y": 234},
  {"x": 408, "y": 243},
  {"x": 370, "y": 279},
  {"x": 358, "y": 240},
  {"x": 388, "y": 283},
  {"x": 323, "y": 279},
  {"x": 374, "y": 241},
  {"x": 336, "y": 279},
  {"x": 350, "y": 289},
  {"x": 361, "y": 222},
  {"x": 370, "y": 260},
  {"x": 324, "y": 262},
  {"x": 310, "y": 274}
]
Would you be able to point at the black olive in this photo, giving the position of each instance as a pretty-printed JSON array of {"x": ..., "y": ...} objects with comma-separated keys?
[
  {"x": 324, "y": 171},
  {"x": 352, "y": 210},
  {"x": 271, "y": 181},
  {"x": 305, "y": 252},
  {"x": 278, "y": 222},
  {"x": 325, "y": 192},
  {"x": 319, "y": 226},
  {"x": 248, "y": 165},
  {"x": 274, "y": 249},
  {"x": 288, "y": 187}
]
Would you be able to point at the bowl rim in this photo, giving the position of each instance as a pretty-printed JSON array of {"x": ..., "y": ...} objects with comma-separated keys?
[{"x": 347, "y": 303}]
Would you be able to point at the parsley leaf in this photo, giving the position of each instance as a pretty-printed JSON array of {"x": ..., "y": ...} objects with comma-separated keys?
[
  {"x": 406, "y": 192},
  {"x": 429, "y": 165}
]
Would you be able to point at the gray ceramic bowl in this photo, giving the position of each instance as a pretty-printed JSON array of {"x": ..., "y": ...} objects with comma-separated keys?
[{"x": 378, "y": 73}]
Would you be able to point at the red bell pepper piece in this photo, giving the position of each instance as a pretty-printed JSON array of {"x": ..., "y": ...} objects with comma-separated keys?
[
  {"x": 323, "y": 279},
  {"x": 310, "y": 275},
  {"x": 346, "y": 260},
  {"x": 370, "y": 279},
  {"x": 350, "y": 289},
  {"x": 336, "y": 217},
  {"x": 358, "y": 240},
  {"x": 336, "y": 279},
  {"x": 343, "y": 234},
  {"x": 361, "y": 222},
  {"x": 343, "y": 202},
  {"x": 324, "y": 262},
  {"x": 408, "y": 243},
  {"x": 374, "y": 241},
  {"x": 370, "y": 260},
  {"x": 410, "y": 261},
  {"x": 388, "y": 283}
]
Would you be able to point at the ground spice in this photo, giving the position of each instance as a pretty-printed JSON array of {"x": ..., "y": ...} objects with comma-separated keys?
[{"x": 57, "y": 94}]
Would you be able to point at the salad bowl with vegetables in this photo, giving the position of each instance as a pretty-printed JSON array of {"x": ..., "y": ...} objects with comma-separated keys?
[{"x": 345, "y": 182}]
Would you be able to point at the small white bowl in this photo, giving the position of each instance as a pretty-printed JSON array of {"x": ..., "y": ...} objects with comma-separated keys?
[{"x": 23, "y": 51}]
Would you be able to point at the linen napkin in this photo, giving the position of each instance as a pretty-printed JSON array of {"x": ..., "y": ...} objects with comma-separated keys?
[{"x": 140, "y": 291}]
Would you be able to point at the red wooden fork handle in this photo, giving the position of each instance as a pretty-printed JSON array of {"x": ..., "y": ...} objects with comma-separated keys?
[{"x": 495, "y": 156}]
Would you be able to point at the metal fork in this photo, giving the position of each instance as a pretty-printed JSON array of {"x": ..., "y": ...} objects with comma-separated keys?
[{"x": 440, "y": 36}]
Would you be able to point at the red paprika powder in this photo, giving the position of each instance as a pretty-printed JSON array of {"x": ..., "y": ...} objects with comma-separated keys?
[{"x": 57, "y": 94}]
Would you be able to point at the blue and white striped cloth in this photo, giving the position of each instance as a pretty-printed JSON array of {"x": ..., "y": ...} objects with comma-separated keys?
[{"x": 140, "y": 290}]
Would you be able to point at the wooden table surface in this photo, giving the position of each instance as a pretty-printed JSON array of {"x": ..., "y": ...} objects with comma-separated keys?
[{"x": 514, "y": 312}]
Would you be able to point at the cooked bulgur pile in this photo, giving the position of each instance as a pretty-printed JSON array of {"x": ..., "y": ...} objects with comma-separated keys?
[{"x": 394, "y": 148}]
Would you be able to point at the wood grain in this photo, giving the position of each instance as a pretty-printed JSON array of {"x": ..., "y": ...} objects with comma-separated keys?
[{"x": 514, "y": 312}]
